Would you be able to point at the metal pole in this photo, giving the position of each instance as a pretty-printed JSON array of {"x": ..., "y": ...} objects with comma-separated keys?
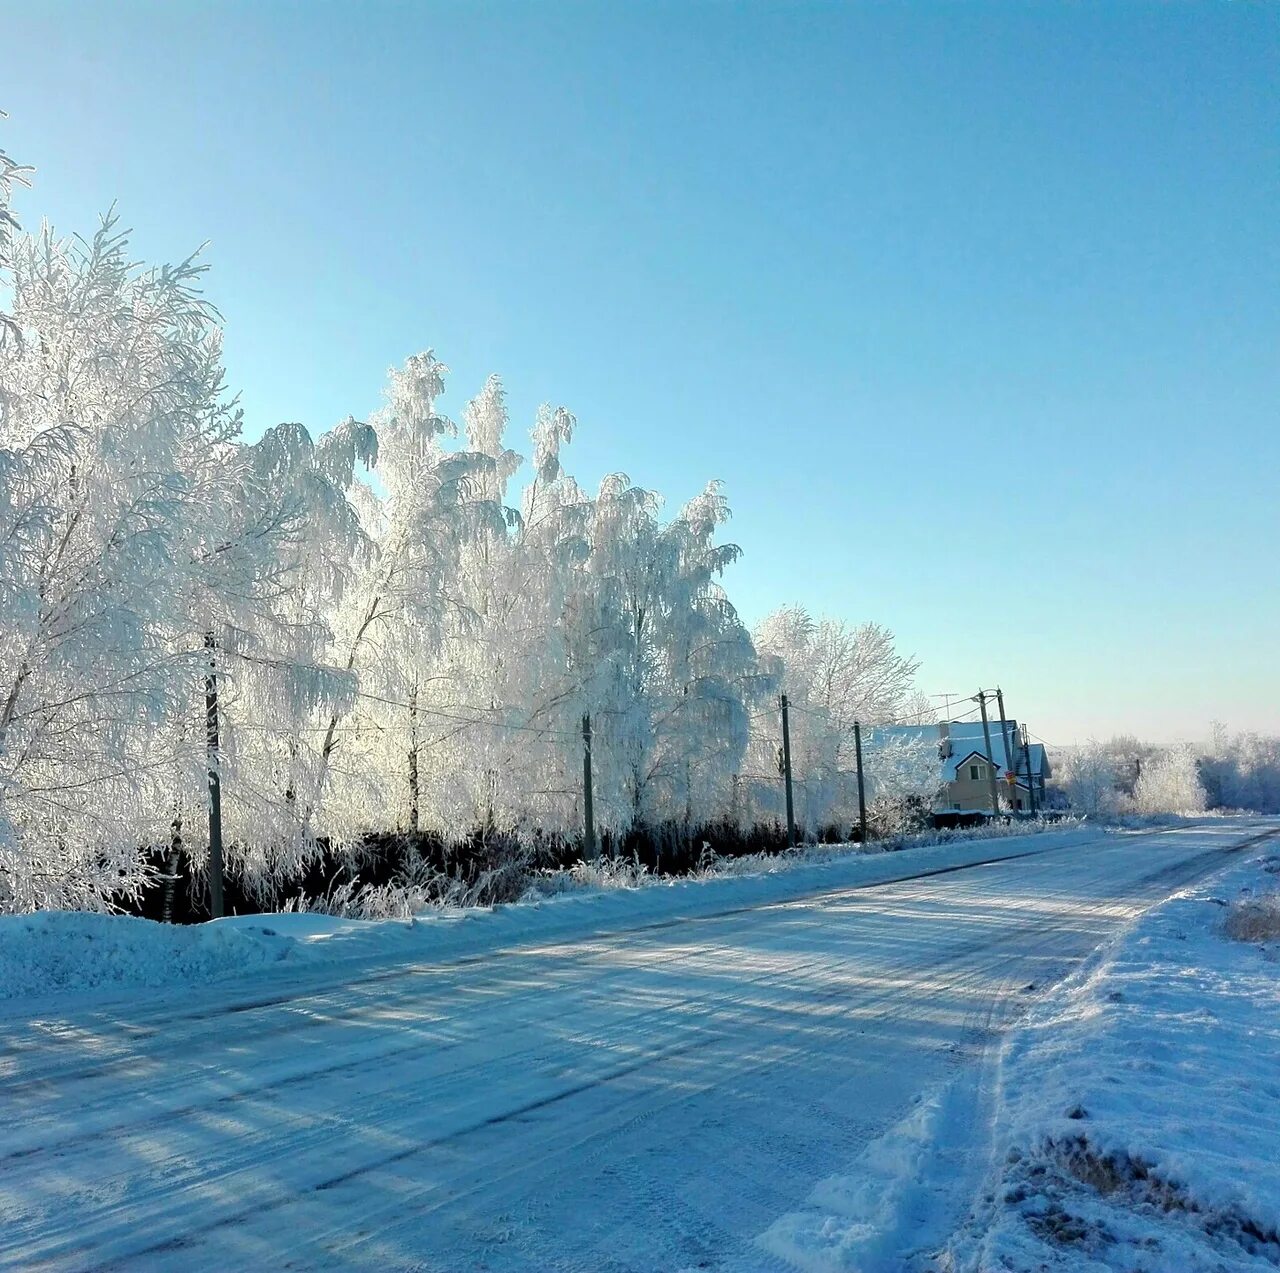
[
  {"x": 786, "y": 773},
  {"x": 862, "y": 790},
  {"x": 217, "y": 907},
  {"x": 588, "y": 809},
  {"x": 991, "y": 765}
]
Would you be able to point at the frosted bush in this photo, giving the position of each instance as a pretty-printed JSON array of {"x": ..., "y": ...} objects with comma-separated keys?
[{"x": 1254, "y": 919}]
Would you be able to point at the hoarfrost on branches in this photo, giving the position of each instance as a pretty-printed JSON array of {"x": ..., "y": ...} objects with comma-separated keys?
[{"x": 392, "y": 628}]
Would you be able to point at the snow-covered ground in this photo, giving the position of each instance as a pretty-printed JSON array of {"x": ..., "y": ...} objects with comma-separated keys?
[
  {"x": 739, "y": 1074},
  {"x": 1128, "y": 1122},
  {"x": 66, "y": 952},
  {"x": 1137, "y": 1115}
]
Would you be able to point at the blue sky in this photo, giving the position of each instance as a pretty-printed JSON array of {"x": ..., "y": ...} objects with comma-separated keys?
[{"x": 974, "y": 308}]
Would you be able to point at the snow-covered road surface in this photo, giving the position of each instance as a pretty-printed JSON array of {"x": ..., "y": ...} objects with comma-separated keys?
[{"x": 651, "y": 1100}]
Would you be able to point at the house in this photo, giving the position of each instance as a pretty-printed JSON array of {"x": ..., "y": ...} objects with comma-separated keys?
[{"x": 965, "y": 766}]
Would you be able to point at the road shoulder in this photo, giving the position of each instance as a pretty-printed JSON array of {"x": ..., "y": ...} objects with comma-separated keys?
[{"x": 1137, "y": 1108}]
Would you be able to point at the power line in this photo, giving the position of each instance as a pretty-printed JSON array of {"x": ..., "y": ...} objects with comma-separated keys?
[{"x": 546, "y": 731}]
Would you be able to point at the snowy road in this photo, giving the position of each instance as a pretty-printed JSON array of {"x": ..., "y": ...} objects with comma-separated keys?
[{"x": 652, "y": 1100}]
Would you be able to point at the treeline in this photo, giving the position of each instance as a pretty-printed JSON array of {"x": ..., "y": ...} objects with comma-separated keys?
[
  {"x": 1239, "y": 771},
  {"x": 394, "y": 628}
]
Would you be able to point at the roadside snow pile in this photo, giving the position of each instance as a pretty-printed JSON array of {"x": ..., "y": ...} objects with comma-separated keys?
[
  {"x": 1138, "y": 1113},
  {"x": 54, "y": 951}
]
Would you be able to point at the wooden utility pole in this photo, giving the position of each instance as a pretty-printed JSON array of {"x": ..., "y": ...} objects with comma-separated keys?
[
  {"x": 862, "y": 790},
  {"x": 588, "y": 808},
  {"x": 1009, "y": 762},
  {"x": 991, "y": 765},
  {"x": 413, "y": 759},
  {"x": 1026, "y": 755},
  {"x": 217, "y": 908},
  {"x": 786, "y": 774}
]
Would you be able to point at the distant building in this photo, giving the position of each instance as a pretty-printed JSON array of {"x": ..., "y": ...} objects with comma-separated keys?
[{"x": 964, "y": 765}]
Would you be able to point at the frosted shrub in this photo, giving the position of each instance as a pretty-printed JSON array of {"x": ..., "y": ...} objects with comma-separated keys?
[
  {"x": 604, "y": 874},
  {"x": 366, "y": 901},
  {"x": 1254, "y": 919}
]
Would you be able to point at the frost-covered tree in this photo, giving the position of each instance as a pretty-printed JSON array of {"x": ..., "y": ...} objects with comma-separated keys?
[
  {"x": 1242, "y": 771},
  {"x": 1170, "y": 783},
  {"x": 204, "y": 632},
  {"x": 392, "y": 623},
  {"x": 126, "y": 549},
  {"x": 849, "y": 672},
  {"x": 658, "y": 651},
  {"x": 833, "y": 674},
  {"x": 276, "y": 655},
  {"x": 902, "y": 780},
  {"x": 1088, "y": 778}
]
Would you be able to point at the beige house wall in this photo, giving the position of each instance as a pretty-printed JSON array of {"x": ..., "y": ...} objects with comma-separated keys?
[{"x": 968, "y": 793}]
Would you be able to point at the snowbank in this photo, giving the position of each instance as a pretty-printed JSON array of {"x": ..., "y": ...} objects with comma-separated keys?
[
  {"x": 60, "y": 952},
  {"x": 53, "y": 951},
  {"x": 1138, "y": 1111}
]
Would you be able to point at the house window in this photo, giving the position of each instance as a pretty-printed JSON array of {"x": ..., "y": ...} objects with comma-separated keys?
[{"x": 975, "y": 772}]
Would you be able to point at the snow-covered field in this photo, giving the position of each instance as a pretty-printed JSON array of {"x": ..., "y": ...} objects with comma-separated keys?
[{"x": 749, "y": 1073}]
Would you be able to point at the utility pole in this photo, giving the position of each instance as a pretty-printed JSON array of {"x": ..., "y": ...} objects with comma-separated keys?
[
  {"x": 991, "y": 768},
  {"x": 588, "y": 809},
  {"x": 786, "y": 774},
  {"x": 217, "y": 908},
  {"x": 862, "y": 790},
  {"x": 1026, "y": 755},
  {"x": 1009, "y": 762},
  {"x": 413, "y": 759}
]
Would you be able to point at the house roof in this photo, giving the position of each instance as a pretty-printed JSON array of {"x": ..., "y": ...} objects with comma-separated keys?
[
  {"x": 954, "y": 764},
  {"x": 967, "y": 738}
]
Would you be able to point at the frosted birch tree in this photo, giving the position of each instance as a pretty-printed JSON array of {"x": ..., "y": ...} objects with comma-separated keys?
[
  {"x": 118, "y": 431},
  {"x": 207, "y": 632}
]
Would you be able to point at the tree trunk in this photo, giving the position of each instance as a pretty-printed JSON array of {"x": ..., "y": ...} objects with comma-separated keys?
[
  {"x": 330, "y": 734},
  {"x": 173, "y": 865}
]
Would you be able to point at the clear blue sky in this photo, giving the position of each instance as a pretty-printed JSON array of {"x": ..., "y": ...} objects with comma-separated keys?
[{"x": 974, "y": 307}]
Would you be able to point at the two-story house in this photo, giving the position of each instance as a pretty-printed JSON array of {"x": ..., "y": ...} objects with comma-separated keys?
[{"x": 965, "y": 766}]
